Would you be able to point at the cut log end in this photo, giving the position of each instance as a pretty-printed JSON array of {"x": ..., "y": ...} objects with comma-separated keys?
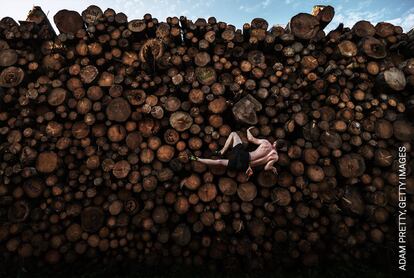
[
  {"x": 68, "y": 21},
  {"x": 304, "y": 26}
]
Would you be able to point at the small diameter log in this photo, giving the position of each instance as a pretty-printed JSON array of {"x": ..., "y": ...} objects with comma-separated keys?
[
  {"x": 136, "y": 25},
  {"x": 118, "y": 110},
  {"x": 116, "y": 133},
  {"x": 73, "y": 232},
  {"x": 192, "y": 182},
  {"x": 352, "y": 201},
  {"x": 47, "y": 162},
  {"x": 201, "y": 59},
  {"x": 121, "y": 169},
  {"x": 33, "y": 188},
  {"x": 256, "y": 57},
  {"x": 68, "y": 21},
  {"x": 267, "y": 179},
  {"x": 347, "y": 48},
  {"x": 206, "y": 75},
  {"x": 383, "y": 129},
  {"x": 247, "y": 191},
  {"x": 57, "y": 96},
  {"x": 92, "y": 219},
  {"x": 181, "y": 121},
  {"x": 218, "y": 105},
  {"x": 227, "y": 186},
  {"x": 88, "y": 74},
  {"x": 18, "y": 212},
  {"x": 160, "y": 214},
  {"x": 135, "y": 97},
  {"x": 281, "y": 196},
  {"x": 181, "y": 235},
  {"x": 165, "y": 153},
  {"x": 315, "y": 173},
  {"x": 207, "y": 192},
  {"x": 351, "y": 165}
]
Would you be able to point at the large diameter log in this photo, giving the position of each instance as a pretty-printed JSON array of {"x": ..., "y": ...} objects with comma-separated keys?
[
  {"x": 324, "y": 14},
  {"x": 373, "y": 47},
  {"x": 403, "y": 130},
  {"x": 11, "y": 77},
  {"x": 8, "y": 57},
  {"x": 304, "y": 26},
  {"x": 68, "y": 21},
  {"x": 245, "y": 110},
  {"x": 151, "y": 51},
  {"x": 92, "y": 14},
  {"x": 363, "y": 28},
  {"x": 392, "y": 78}
]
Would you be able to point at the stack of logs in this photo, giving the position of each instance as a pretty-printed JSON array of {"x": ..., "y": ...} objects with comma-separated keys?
[{"x": 96, "y": 124}]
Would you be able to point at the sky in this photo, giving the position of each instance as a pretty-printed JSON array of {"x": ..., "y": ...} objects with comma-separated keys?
[{"x": 235, "y": 12}]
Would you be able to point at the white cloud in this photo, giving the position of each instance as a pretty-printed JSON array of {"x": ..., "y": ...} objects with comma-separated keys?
[
  {"x": 256, "y": 7},
  {"x": 161, "y": 9},
  {"x": 406, "y": 21},
  {"x": 350, "y": 17},
  {"x": 265, "y": 3}
]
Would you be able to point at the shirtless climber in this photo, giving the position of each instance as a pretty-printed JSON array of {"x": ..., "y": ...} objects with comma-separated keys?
[{"x": 242, "y": 160}]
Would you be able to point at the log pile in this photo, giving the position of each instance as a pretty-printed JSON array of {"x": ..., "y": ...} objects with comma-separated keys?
[{"x": 96, "y": 123}]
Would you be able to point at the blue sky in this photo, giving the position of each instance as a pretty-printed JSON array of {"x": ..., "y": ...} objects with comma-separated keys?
[{"x": 234, "y": 12}]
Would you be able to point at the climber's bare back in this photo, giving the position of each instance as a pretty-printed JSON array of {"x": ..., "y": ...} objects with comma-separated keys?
[{"x": 263, "y": 154}]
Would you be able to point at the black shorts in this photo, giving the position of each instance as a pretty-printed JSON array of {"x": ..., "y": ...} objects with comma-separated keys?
[{"x": 238, "y": 158}]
